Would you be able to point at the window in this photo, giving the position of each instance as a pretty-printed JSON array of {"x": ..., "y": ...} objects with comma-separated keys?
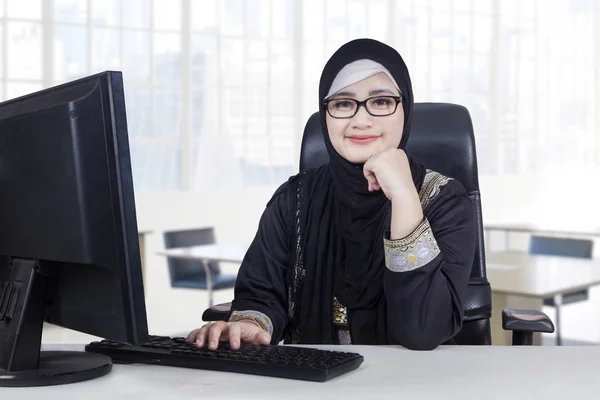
[
  {"x": 524, "y": 70},
  {"x": 218, "y": 91}
]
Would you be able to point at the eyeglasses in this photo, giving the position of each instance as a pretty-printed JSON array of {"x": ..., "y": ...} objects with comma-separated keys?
[{"x": 378, "y": 106}]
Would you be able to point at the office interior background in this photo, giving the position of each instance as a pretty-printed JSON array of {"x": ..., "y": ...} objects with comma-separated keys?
[{"x": 218, "y": 93}]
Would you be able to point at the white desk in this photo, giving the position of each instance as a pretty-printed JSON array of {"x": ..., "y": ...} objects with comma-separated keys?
[
  {"x": 540, "y": 276},
  {"x": 461, "y": 373},
  {"x": 530, "y": 228},
  {"x": 521, "y": 280}
]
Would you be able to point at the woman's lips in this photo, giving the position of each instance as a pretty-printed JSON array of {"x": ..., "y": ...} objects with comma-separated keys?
[{"x": 362, "y": 139}]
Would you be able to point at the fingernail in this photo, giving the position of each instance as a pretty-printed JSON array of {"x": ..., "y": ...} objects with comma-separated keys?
[
  {"x": 212, "y": 343},
  {"x": 235, "y": 344}
]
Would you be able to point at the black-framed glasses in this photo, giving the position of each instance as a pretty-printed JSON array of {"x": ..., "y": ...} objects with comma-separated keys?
[{"x": 378, "y": 106}]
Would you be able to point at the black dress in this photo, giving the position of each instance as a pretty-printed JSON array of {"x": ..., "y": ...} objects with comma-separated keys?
[
  {"x": 322, "y": 267},
  {"x": 425, "y": 275}
]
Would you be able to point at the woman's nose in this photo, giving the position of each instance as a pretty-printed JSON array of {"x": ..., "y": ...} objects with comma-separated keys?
[{"x": 362, "y": 119}]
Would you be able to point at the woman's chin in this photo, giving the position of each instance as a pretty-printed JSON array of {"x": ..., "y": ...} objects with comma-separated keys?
[
  {"x": 360, "y": 155},
  {"x": 357, "y": 158}
]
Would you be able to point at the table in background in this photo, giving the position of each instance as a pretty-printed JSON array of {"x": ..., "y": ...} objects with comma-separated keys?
[
  {"x": 521, "y": 280},
  {"x": 530, "y": 228},
  {"x": 388, "y": 372}
]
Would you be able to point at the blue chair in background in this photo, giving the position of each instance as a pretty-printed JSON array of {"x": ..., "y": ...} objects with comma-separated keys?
[
  {"x": 195, "y": 274},
  {"x": 564, "y": 247}
]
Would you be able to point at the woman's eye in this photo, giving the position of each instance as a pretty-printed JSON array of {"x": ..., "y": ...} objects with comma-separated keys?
[
  {"x": 343, "y": 104},
  {"x": 381, "y": 102}
]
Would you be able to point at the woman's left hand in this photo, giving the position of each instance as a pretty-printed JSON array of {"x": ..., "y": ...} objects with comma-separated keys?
[{"x": 390, "y": 171}]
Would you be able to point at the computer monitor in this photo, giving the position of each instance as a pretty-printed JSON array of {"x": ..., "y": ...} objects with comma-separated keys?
[{"x": 69, "y": 250}]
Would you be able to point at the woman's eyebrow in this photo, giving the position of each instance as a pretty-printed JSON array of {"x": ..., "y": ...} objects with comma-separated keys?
[
  {"x": 371, "y": 93},
  {"x": 347, "y": 94},
  {"x": 379, "y": 91}
]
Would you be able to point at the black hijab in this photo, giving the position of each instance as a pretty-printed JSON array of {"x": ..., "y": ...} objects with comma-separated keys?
[{"x": 341, "y": 224}]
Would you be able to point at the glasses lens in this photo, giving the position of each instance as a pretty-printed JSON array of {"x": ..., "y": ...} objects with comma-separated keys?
[
  {"x": 342, "y": 108},
  {"x": 381, "y": 105}
]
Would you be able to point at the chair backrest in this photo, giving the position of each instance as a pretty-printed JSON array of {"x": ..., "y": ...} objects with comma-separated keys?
[
  {"x": 184, "y": 269},
  {"x": 442, "y": 140},
  {"x": 560, "y": 246}
]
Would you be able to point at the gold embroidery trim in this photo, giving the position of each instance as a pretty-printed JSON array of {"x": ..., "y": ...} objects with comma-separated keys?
[
  {"x": 431, "y": 187},
  {"x": 340, "y": 314},
  {"x": 412, "y": 252}
]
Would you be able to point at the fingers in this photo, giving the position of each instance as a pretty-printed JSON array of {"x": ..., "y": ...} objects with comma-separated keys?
[
  {"x": 209, "y": 332},
  {"x": 214, "y": 334},
  {"x": 369, "y": 174},
  {"x": 263, "y": 338},
  {"x": 191, "y": 338},
  {"x": 371, "y": 178},
  {"x": 197, "y": 335},
  {"x": 251, "y": 332},
  {"x": 374, "y": 186},
  {"x": 235, "y": 332},
  {"x": 201, "y": 337}
]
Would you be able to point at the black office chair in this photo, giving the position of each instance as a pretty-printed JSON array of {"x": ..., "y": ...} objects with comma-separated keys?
[
  {"x": 194, "y": 274},
  {"x": 566, "y": 247},
  {"x": 442, "y": 139}
]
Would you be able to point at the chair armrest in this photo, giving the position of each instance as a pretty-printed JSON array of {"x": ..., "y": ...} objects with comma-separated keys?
[
  {"x": 524, "y": 323},
  {"x": 218, "y": 312}
]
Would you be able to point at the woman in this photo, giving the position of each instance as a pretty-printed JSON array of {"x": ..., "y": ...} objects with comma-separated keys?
[{"x": 371, "y": 248}]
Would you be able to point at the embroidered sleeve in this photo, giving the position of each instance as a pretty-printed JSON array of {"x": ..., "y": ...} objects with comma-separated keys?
[
  {"x": 250, "y": 315},
  {"x": 414, "y": 251},
  {"x": 431, "y": 186}
]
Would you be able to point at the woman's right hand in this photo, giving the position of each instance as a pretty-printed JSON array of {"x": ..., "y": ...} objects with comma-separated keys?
[{"x": 234, "y": 332}]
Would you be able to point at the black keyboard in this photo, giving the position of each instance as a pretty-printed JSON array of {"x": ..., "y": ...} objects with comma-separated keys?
[{"x": 276, "y": 361}]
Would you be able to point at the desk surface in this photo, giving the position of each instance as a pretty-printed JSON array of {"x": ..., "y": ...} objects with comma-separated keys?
[
  {"x": 536, "y": 228},
  {"x": 539, "y": 276},
  {"x": 388, "y": 372},
  {"x": 225, "y": 252}
]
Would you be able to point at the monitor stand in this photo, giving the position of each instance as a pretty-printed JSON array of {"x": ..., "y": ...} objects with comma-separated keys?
[{"x": 22, "y": 303}]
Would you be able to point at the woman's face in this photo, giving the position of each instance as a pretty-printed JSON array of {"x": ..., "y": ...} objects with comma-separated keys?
[{"x": 357, "y": 138}]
